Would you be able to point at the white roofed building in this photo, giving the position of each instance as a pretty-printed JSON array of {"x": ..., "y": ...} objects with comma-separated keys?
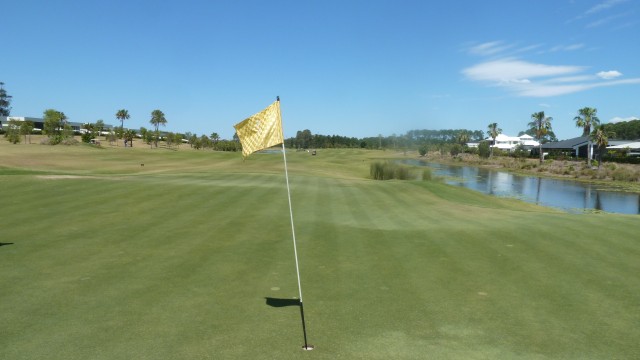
[{"x": 508, "y": 143}]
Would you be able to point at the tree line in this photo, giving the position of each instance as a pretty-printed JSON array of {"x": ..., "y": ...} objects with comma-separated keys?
[{"x": 57, "y": 129}]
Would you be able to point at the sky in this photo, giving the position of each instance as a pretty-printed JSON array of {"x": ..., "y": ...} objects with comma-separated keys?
[{"x": 352, "y": 67}]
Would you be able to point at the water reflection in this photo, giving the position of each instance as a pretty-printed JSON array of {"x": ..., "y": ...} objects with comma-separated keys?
[{"x": 565, "y": 194}]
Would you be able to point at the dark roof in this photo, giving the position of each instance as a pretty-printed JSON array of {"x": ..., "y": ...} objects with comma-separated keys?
[{"x": 567, "y": 144}]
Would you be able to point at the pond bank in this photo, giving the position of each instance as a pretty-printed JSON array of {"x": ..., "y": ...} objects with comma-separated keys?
[
  {"x": 621, "y": 177},
  {"x": 565, "y": 194}
]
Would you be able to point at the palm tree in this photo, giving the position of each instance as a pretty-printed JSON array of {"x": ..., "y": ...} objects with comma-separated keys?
[
  {"x": 541, "y": 125},
  {"x": 493, "y": 132},
  {"x": 463, "y": 139},
  {"x": 128, "y": 137},
  {"x": 600, "y": 137},
  {"x": 122, "y": 115},
  {"x": 586, "y": 119},
  {"x": 157, "y": 119}
]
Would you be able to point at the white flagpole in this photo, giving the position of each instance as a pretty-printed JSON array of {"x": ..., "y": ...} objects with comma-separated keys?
[{"x": 293, "y": 233}]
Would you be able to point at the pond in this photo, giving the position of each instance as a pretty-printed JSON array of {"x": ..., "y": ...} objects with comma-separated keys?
[{"x": 572, "y": 196}]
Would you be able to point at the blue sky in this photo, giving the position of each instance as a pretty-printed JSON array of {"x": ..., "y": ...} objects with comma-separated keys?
[{"x": 352, "y": 68}]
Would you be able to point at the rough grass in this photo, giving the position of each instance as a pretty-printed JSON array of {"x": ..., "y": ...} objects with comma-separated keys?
[{"x": 109, "y": 259}]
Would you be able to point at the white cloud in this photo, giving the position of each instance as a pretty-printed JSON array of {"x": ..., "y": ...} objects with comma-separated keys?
[
  {"x": 489, "y": 48},
  {"x": 608, "y": 75},
  {"x": 573, "y": 47},
  {"x": 603, "y": 6},
  {"x": 598, "y": 9},
  {"x": 546, "y": 90},
  {"x": 621, "y": 119},
  {"x": 528, "y": 79},
  {"x": 606, "y": 20},
  {"x": 570, "y": 79},
  {"x": 528, "y": 48},
  {"x": 510, "y": 70}
]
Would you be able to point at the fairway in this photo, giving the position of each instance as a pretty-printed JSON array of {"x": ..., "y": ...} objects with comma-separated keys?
[{"x": 138, "y": 253}]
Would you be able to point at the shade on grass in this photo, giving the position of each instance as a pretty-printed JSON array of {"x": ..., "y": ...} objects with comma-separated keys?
[{"x": 174, "y": 260}]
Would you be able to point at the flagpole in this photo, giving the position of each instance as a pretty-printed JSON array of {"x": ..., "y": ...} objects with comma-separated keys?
[{"x": 293, "y": 233}]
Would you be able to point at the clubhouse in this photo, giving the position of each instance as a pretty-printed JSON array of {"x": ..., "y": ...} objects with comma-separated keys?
[{"x": 38, "y": 123}]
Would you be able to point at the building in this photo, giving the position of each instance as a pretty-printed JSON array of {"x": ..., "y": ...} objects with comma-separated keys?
[
  {"x": 509, "y": 143},
  {"x": 632, "y": 147},
  {"x": 38, "y": 123},
  {"x": 576, "y": 147}
]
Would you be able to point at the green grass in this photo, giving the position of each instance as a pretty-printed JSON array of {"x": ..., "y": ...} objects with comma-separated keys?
[{"x": 173, "y": 260}]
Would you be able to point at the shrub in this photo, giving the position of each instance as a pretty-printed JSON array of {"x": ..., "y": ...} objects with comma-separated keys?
[
  {"x": 87, "y": 136},
  {"x": 426, "y": 174},
  {"x": 498, "y": 152},
  {"x": 455, "y": 149},
  {"x": 520, "y": 152},
  {"x": 483, "y": 149},
  {"x": 622, "y": 174}
]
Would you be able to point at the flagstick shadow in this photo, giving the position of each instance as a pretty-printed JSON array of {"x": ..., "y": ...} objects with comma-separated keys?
[
  {"x": 276, "y": 302},
  {"x": 3, "y": 244}
]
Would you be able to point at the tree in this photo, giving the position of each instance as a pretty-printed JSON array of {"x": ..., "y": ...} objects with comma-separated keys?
[
  {"x": 55, "y": 126},
  {"x": 98, "y": 127},
  {"x": 13, "y": 131},
  {"x": 128, "y": 135},
  {"x": 455, "y": 150},
  {"x": 463, "y": 139},
  {"x": 600, "y": 137},
  {"x": 484, "y": 149},
  {"x": 193, "y": 139},
  {"x": 89, "y": 134},
  {"x": 303, "y": 139},
  {"x": 170, "y": 139},
  {"x": 5, "y": 101},
  {"x": 586, "y": 119},
  {"x": 147, "y": 136},
  {"x": 541, "y": 124},
  {"x": 122, "y": 115},
  {"x": 422, "y": 150},
  {"x": 26, "y": 127},
  {"x": 143, "y": 132},
  {"x": 215, "y": 138},
  {"x": 493, "y": 133},
  {"x": 205, "y": 142},
  {"x": 157, "y": 119}
]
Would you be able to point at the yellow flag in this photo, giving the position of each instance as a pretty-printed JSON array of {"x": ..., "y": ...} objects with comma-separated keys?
[{"x": 260, "y": 131}]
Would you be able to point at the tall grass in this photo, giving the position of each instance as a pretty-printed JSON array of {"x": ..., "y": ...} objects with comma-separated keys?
[{"x": 389, "y": 170}]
